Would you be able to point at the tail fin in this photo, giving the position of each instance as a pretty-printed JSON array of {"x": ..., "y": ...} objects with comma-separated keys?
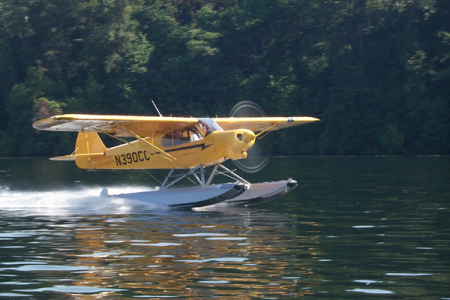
[
  {"x": 89, "y": 142},
  {"x": 88, "y": 145}
]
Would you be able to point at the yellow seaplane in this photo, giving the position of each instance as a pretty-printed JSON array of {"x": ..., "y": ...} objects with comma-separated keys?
[{"x": 190, "y": 146}]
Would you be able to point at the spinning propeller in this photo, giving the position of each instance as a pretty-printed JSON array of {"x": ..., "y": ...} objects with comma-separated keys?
[{"x": 257, "y": 158}]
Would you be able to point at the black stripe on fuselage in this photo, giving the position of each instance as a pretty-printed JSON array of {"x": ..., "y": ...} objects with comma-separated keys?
[{"x": 202, "y": 146}]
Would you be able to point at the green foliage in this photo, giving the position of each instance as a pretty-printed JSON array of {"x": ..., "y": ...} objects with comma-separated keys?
[
  {"x": 375, "y": 72},
  {"x": 27, "y": 102},
  {"x": 392, "y": 140}
]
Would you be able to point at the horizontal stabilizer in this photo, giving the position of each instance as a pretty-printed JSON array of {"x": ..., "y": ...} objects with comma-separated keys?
[{"x": 74, "y": 156}]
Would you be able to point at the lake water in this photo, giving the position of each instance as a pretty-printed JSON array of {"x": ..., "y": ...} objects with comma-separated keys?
[{"x": 354, "y": 228}]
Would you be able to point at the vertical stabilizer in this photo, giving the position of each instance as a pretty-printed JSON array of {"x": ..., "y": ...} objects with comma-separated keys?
[{"x": 87, "y": 143}]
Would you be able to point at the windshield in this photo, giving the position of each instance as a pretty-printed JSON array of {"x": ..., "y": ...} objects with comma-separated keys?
[{"x": 210, "y": 124}]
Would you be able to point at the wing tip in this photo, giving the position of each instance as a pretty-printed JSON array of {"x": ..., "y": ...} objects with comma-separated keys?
[
  {"x": 303, "y": 119},
  {"x": 44, "y": 123}
]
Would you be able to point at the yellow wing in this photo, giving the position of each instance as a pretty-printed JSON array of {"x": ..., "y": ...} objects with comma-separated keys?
[
  {"x": 258, "y": 124},
  {"x": 147, "y": 126},
  {"x": 113, "y": 124}
]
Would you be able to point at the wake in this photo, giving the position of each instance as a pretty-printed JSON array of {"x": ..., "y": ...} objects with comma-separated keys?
[{"x": 85, "y": 200}]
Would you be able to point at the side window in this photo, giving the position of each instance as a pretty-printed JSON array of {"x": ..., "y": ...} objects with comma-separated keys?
[
  {"x": 174, "y": 138},
  {"x": 166, "y": 141},
  {"x": 180, "y": 137}
]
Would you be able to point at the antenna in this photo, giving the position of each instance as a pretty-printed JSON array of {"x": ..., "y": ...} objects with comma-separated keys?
[{"x": 157, "y": 109}]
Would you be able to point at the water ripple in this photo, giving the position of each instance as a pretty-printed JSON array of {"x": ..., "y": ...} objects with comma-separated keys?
[
  {"x": 72, "y": 289},
  {"x": 372, "y": 291}
]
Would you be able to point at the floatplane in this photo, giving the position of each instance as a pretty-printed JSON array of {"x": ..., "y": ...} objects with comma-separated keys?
[{"x": 188, "y": 147}]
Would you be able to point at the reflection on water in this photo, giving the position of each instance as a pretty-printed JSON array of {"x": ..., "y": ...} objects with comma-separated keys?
[
  {"x": 175, "y": 254},
  {"x": 356, "y": 227}
]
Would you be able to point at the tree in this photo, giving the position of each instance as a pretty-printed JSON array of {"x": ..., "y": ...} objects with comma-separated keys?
[
  {"x": 35, "y": 98},
  {"x": 375, "y": 72}
]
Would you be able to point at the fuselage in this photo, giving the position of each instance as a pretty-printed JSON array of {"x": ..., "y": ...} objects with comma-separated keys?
[{"x": 167, "y": 151}]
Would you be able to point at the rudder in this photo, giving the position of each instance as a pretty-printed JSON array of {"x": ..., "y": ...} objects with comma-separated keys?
[{"x": 88, "y": 144}]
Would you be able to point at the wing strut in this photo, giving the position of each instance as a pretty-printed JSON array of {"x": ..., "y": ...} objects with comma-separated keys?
[
  {"x": 266, "y": 131},
  {"x": 170, "y": 157}
]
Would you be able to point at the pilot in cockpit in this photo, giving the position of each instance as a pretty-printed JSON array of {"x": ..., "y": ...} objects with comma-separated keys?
[
  {"x": 195, "y": 134},
  {"x": 177, "y": 134}
]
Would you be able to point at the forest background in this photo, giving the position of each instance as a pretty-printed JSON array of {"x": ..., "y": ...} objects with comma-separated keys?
[{"x": 376, "y": 72}]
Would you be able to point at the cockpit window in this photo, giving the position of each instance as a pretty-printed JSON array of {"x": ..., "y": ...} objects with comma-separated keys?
[
  {"x": 190, "y": 133},
  {"x": 210, "y": 124},
  {"x": 175, "y": 137}
]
